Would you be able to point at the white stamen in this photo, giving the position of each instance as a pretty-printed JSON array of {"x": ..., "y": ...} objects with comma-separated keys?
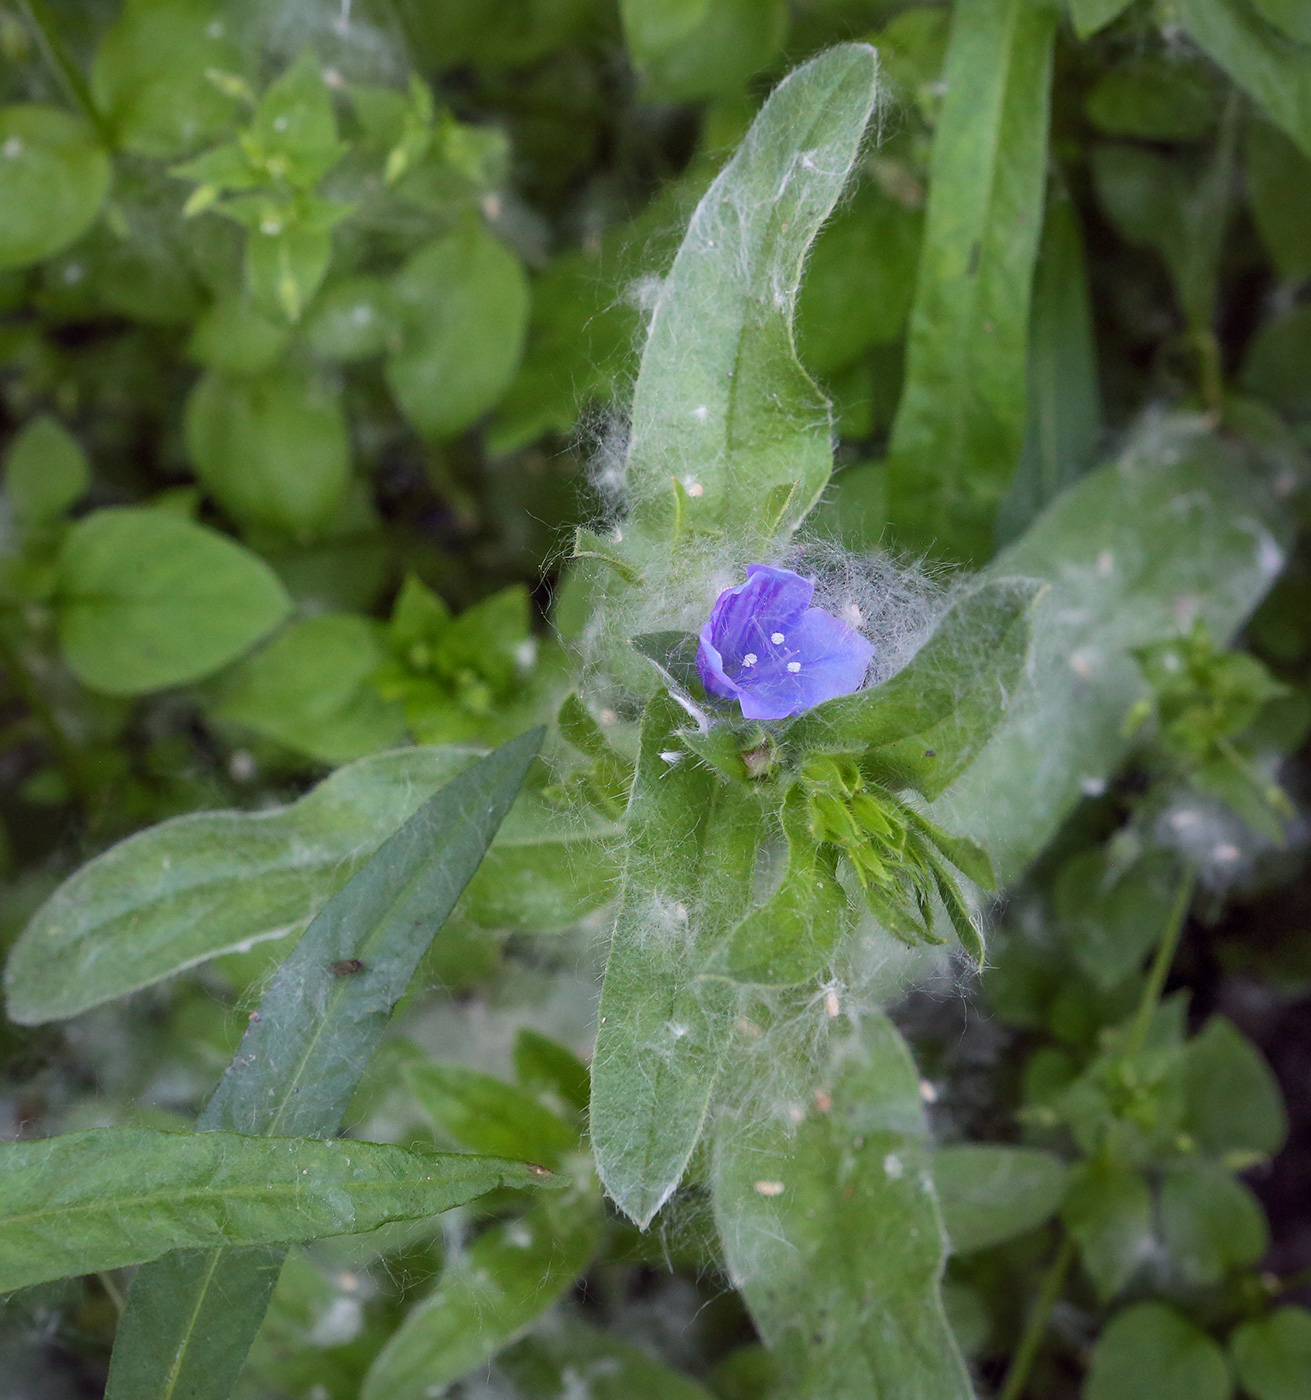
[
  {"x": 750, "y": 659},
  {"x": 778, "y": 639},
  {"x": 794, "y": 666}
]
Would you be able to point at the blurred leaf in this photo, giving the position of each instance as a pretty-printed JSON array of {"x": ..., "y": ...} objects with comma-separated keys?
[
  {"x": 352, "y": 320},
  {"x": 720, "y": 400},
  {"x": 462, "y": 306},
  {"x": 46, "y": 471},
  {"x": 207, "y": 883},
  {"x": 1279, "y": 193},
  {"x": 109, "y": 1197},
  {"x": 1064, "y": 399},
  {"x": 960, "y": 425},
  {"x": 1152, "y": 1352},
  {"x": 1272, "y": 1355},
  {"x": 663, "y": 1028},
  {"x": 1091, "y": 15},
  {"x": 1211, "y": 1224},
  {"x": 686, "y": 50},
  {"x": 510, "y": 1275},
  {"x": 478, "y": 1110},
  {"x": 1112, "y": 918},
  {"x": 1156, "y": 97},
  {"x": 1257, "y": 57},
  {"x": 235, "y": 338},
  {"x": 543, "y": 1066},
  {"x": 831, "y": 1232},
  {"x": 310, "y": 689},
  {"x": 274, "y": 449},
  {"x": 495, "y": 34},
  {"x": 1275, "y": 367},
  {"x": 1175, "y": 518},
  {"x": 1108, "y": 1212},
  {"x": 150, "y": 76},
  {"x": 147, "y": 600},
  {"x": 53, "y": 179},
  {"x": 562, "y": 1356},
  {"x": 991, "y": 1194},
  {"x": 1289, "y": 16},
  {"x": 1233, "y": 1104},
  {"x": 924, "y": 727},
  {"x": 189, "y": 1322}
]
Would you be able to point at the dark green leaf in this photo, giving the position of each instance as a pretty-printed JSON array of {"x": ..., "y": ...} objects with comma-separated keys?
[
  {"x": 1272, "y": 1355},
  {"x": 690, "y": 49},
  {"x": 46, "y": 471},
  {"x": 991, "y": 1194},
  {"x": 1152, "y": 1352},
  {"x": 1233, "y": 1107},
  {"x": 1210, "y": 1223},
  {"x": 556, "y": 1361},
  {"x": 1108, "y": 1211}
]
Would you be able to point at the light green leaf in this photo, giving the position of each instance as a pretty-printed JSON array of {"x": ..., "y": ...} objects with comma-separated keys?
[
  {"x": 961, "y": 422},
  {"x": 720, "y": 398},
  {"x": 831, "y": 1230},
  {"x": 686, "y": 50},
  {"x": 511, "y": 1274},
  {"x": 301, "y": 1060},
  {"x": 149, "y": 77},
  {"x": 925, "y": 726},
  {"x": 478, "y": 1110},
  {"x": 462, "y": 307},
  {"x": 53, "y": 179},
  {"x": 235, "y": 338},
  {"x": 1259, "y": 58},
  {"x": 311, "y": 689},
  {"x": 1177, "y": 517},
  {"x": 46, "y": 471},
  {"x": 1091, "y": 15},
  {"x": 1152, "y": 1352},
  {"x": 662, "y": 1027},
  {"x": 110, "y": 1197},
  {"x": 562, "y": 1356},
  {"x": 991, "y": 1194},
  {"x": 1108, "y": 1212},
  {"x": 145, "y": 600},
  {"x": 1064, "y": 401},
  {"x": 286, "y": 266},
  {"x": 274, "y": 449},
  {"x": 1272, "y": 1355},
  {"x": 1211, "y": 1223},
  {"x": 352, "y": 320},
  {"x": 1290, "y": 16},
  {"x": 1233, "y": 1106}
]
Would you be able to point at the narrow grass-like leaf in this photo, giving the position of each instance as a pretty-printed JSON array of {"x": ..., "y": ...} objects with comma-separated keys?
[
  {"x": 961, "y": 421},
  {"x": 662, "y": 1026},
  {"x": 300, "y": 1061},
  {"x": 831, "y": 1229},
  {"x": 1176, "y": 522},
  {"x": 924, "y": 727},
  {"x": 110, "y": 1197},
  {"x": 722, "y": 405}
]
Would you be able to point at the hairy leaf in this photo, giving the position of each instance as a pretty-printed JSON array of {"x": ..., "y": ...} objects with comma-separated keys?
[{"x": 109, "y": 1197}]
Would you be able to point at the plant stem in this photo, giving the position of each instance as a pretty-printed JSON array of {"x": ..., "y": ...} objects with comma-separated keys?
[
  {"x": 1160, "y": 970},
  {"x": 1017, "y": 1377},
  {"x": 57, "y": 56}
]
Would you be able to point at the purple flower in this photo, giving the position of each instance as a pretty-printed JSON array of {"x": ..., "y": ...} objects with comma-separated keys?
[{"x": 767, "y": 648}]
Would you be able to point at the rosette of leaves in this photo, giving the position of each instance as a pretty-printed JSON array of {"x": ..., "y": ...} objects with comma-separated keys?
[
  {"x": 1214, "y": 714},
  {"x": 475, "y": 676}
]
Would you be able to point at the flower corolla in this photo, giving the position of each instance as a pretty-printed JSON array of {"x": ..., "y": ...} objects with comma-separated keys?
[{"x": 767, "y": 648}]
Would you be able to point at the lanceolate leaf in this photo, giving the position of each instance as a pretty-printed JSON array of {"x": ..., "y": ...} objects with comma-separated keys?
[
  {"x": 961, "y": 421},
  {"x": 307, "y": 1046},
  {"x": 831, "y": 1230},
  {"x": 211, "y": 883},
  {"x": 110, "y": 1197},
  {"x": 1177, "y": 521},
  {"x": 722, "y": 404},
  {"x": 924, "y": 727},
  {"x": 663, "y": 1027}
]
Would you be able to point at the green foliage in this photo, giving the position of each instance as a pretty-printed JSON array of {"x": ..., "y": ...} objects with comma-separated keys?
[
  {"x": 46, "y": 472},
  {"x": 114, "y": 1196},
  {"x": 992, "y": 1194},
  {"x": 1271, "y": 1354},
  {"x": 1152, "y": 1350}
]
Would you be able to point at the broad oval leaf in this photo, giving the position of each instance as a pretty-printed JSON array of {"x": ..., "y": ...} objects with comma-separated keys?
[
  {"x": 109, "y": 1197},
  {"x": 274, "y": 450},
  {"x": 990, "y": 1194},
  {"x": 1272, "y": 1355},
  {"x": 46, "y": 471},
  {"x": 145, "y": 600},
  {"x": 461, "y": 304},
  {"x": 53, "y": 179},
  {"x": 1153, "y": 1352}
]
